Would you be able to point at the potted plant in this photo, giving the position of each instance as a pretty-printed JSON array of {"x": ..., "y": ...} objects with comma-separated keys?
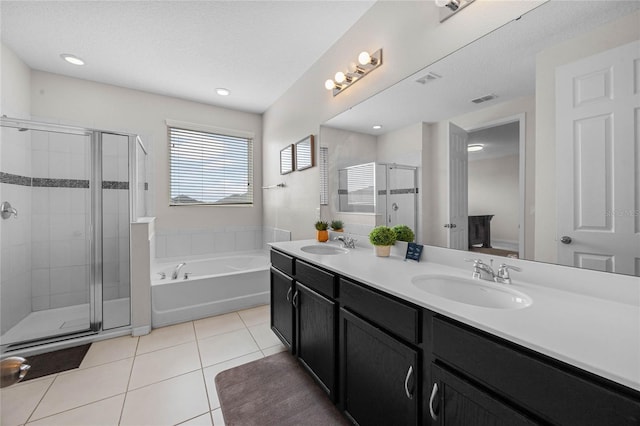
[
  {"x": 382, "y": 238},
  {"x": 322, "y": 234},
  {"x": 337, "y": 225},
  {"x": 404, "y": 235}
]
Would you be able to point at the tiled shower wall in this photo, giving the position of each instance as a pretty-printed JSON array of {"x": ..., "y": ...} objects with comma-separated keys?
[
  {"x": 60, "y": 219},
  {"x": 15, "y": 233},
  {"x": 215, "y": 240},
  {"x": 46, "y": 251},
  {"x": 115, "y": 217}
]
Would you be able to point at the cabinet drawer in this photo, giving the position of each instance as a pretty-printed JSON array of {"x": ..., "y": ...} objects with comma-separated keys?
[
  {"x": 282, "y": 262},
  {"x": 398, "y": 318},
  {"x": 545, "y": 387},
  {"x": 316, "y": 279}
]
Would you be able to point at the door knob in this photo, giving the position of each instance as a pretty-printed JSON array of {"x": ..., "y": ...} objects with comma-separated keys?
[{"x": 565, "y": 240}]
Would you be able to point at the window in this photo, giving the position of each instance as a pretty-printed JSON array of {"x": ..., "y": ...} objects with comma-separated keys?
[
  {"x": 324, "y": 175},
  {"x": 210, "y": 168}
]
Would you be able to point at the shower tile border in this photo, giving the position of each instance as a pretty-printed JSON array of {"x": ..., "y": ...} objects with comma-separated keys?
[{"x": 12, "y": 179}]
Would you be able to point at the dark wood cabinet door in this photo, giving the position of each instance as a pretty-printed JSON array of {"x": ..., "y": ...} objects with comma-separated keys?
[
  {"x": 316, "y": 336},
  {"x": 282, "y": 319},
  {"x": 380, "y": 375},
  {"x": 455, "y": 402}
]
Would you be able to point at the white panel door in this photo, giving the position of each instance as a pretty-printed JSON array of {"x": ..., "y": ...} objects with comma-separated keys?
[
  {"x": 458, "y": 188},
  {"x": 598, "y": 152}
]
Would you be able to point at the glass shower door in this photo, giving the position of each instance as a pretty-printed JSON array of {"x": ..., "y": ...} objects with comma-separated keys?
[
  {"x": 401, "y": 196},
  {"x": 46, "y": 257}
]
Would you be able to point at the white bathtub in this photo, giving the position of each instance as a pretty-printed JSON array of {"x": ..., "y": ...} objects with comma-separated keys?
[{"x": 214, "y": 286}]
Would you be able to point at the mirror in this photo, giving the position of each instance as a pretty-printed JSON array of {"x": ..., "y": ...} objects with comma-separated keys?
[
  {"x": 357, "y": 188},
  {"x": 286, "y": 160},
  {"x": 513, "y": 92},
  {"x": 305, "y": 153}
]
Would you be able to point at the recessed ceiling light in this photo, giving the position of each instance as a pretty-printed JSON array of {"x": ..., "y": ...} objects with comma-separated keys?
[
  {"x": 72, "y": 59},
  {"x": 223, "y": 92},
  {"x": 377, "y": 127},
  {"x": 475, "y": 147}
]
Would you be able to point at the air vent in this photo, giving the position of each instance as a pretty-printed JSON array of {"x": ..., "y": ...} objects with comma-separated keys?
[
  {"x": 484, "y": 99},
  {"x": 428, "y": 78}
]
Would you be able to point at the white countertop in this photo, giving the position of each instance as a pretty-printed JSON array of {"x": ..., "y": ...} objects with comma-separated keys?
[{"x": 600, "y": 336}]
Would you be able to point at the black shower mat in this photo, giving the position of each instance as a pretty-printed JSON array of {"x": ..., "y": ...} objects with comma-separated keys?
[{"x": 56, "y": 361}]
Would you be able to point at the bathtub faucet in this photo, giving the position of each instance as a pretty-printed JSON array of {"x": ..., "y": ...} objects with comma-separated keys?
[{"x": 176, "y": 271}]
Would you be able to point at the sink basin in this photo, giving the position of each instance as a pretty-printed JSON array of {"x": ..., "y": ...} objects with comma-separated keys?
[
  {"x": 472, "y": 292},
  {"x": 323, "y": 249}
]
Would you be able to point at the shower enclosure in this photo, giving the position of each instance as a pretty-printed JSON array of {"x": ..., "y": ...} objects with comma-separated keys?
[
  {"x": 64, "y": 260},
  {"x": 390, "y": 191}
]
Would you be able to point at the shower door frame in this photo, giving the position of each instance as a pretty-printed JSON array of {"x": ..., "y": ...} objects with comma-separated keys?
[
  {"x": 387, "y": 205},
  {"x": 95, "y": 232}
]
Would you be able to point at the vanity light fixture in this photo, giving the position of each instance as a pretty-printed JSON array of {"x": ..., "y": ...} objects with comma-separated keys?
[
  {"x": 475, "y": 147},
  {"x": 366, "y": 63},
  {"x": 451, "y": 7},
  {"x": 223, "y": 92},
  {"x": 72, "y": 59},
  {"x": 377, "y": 127}
]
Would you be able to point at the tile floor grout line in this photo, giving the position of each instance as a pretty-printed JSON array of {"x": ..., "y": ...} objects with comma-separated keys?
[
  {"x": 74, "y": 408},
  {"x": 41, "y": 398},
  {"x": 204, "y": 378},
  {"x": 126, "y": 389}
]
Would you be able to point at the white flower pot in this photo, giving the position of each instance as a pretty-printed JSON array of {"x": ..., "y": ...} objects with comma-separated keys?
[{"x": 382, "y": 251}]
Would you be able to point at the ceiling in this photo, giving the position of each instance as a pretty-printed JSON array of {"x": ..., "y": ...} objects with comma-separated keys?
[
  {"x": 500, "y": 63},
  {"x": 184, "y": 49}
]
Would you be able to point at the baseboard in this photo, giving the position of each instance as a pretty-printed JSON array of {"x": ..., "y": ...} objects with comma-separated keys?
[{"x": 141, "y": 331}]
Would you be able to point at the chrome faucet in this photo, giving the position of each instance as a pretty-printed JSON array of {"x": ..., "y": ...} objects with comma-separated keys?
[
  {"x": 176, "y": 271},
  {"x": 482, "y": 271},
  {"x": 347, "y": 241},
  {"x": 502, "y": 276}
]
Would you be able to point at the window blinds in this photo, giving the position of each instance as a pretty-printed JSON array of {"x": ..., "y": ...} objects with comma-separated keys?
[{"x": 209, "y": 168}]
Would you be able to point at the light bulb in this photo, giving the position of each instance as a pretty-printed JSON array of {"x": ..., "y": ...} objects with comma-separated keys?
[
  {"x": 340, "y": 77},
  {"x": 364, "y": 58},
  {"x": 223, "y": 92},
  {"x": 441, "y": 3},
  {"x": 475, "y": 147},
  {"x": 329, "y": 84}
]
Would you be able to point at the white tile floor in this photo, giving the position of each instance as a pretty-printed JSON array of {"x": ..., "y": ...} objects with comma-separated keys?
[{"x": 164, "y": 378}]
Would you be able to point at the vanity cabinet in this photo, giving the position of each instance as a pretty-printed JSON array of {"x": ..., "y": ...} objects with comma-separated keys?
[
  {"x": 282, "y": 319},
  {"x": 282, "y": 288},
  {"x": 379, "y": 375},
  {"x": 304, "y": 316},
  {"x": 547, "y": 390},
  {"x": 454, "y": 401},
  {"x": 386, "y": 361}
]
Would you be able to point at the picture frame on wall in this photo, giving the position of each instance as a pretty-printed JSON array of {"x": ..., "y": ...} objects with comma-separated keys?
[
  {"x": 287, "y": 160},
  {"x": 305, "y": 153}
]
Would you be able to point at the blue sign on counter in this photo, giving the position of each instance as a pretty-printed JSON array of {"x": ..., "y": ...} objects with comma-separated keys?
[{"x": 414, "y": 251}]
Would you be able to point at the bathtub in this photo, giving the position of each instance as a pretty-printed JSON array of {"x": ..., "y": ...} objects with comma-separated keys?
[{"x": 214, "y": 286}]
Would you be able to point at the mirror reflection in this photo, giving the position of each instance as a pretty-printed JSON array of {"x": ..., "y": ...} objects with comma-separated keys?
[{"x": 524, "y": 141}]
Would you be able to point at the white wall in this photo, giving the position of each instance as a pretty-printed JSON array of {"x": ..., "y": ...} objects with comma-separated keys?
[
  {"x": 346, "y": 149},
  {"x": 436, "y": 158},
  {"x": 401, "y": 28},
  {"x": 493, "y": 189},
  {"x": 103, "y": 106},
  {"x": 15, "y": 158},
  {"x": 604, "y": 38}
]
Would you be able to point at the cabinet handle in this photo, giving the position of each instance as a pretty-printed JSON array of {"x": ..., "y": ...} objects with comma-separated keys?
[
  {"x": 289, "y": 294},
  {"x": 406, "y": 382},
  {"x": 295, "y": 299},
  {"x": 434, "y": 392}
]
